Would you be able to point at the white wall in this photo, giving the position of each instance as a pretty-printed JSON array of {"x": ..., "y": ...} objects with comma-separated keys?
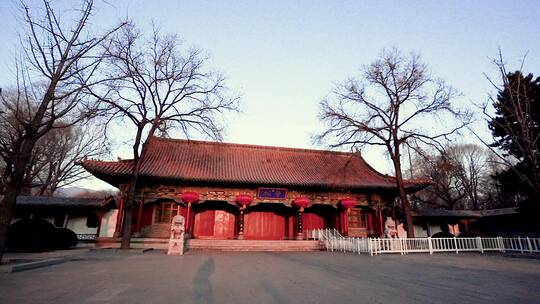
[
  {"x": 108, "y": 223},
  {"x": 419, "y": 231},
  {"x": 435, "y": 228},
  {"x": 78, "y": 225}
]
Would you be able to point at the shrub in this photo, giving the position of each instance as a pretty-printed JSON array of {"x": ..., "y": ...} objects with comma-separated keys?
[
  {"x": 29, "y": 235},
  {"x": 64, "y": 238},
  {"x": 469, "y": 234},
  {"x": 442, "y": 235}
]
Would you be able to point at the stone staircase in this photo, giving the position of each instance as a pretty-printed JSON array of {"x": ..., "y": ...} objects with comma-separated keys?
[
  {"x": 156, "y": 231},
  {"x": 217, "y": 245}
]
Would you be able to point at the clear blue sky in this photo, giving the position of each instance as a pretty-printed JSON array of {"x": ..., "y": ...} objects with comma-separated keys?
[{"x": 284, "y": 57}]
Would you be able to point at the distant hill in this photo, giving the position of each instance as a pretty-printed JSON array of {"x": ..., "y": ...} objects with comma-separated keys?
[{"x": 84, "y": 192}]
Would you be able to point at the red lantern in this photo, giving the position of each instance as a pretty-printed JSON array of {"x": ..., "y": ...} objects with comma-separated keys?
[
  {"x": 243, "y": 200},
  {"x": 348, "y": 203},
  {"x": 301, "y": 202},
  {"x": 190, "y": 197}
]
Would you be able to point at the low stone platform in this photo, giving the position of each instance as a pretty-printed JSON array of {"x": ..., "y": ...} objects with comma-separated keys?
[
  {"x": 220, "y": 245},
  {"x": 253, "y": 245},
  {"x": 137, "y": 243}
]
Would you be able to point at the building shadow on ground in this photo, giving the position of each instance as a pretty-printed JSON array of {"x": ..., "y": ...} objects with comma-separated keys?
[{"x": 202, "y": 291}]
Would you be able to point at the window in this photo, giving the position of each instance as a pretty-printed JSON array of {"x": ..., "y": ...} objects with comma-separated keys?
[
  {"x": 165, "y": 212},
  {"x": 92, "y": 221},
  {"x": 357, "y": 219},
  {"x": 59, "y": 220}
]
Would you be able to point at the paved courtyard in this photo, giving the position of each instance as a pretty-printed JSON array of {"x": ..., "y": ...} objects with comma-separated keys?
[{"x": 312, "y": 277}]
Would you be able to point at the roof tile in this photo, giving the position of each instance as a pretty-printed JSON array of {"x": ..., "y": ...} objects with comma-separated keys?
[{"x": 204, "y": 161}]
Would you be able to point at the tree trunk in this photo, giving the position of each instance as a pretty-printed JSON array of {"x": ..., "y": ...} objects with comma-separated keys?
[
  {"x": 6, "y": 212},
  {"x": 406, "y": 204},
  {"x": 128, "y": 203},
  {"x": 128, "y": 211},
  {"x": 401, "y": 189},
  {"x": 13, "y": 189},
  {"x": 137, "y": 163}
]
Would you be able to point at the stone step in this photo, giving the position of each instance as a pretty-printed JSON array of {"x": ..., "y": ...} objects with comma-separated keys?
[
  {"x": 253, "y": 245},
  {"x": 156, "y": 231},
  {"x": 219, "y": 245}
]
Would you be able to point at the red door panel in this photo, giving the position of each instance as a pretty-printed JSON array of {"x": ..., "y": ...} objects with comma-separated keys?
[
  {"x": 224, "y": 225},
  {"x": 263, "y": 225},
  {"x": 204, "y": 224},
  {"x": 313, "y": 221},
  {"x": 214, "y": 224}
]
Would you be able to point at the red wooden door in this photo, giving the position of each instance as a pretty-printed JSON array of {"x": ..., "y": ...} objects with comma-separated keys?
[
  {"x": 204, "y": 224},
  {"x": 223, "y": 224},
  {"x": 214, "y": 224},
  {"x": 311, "y": 220},
  {"x": 264, "y": 225}
]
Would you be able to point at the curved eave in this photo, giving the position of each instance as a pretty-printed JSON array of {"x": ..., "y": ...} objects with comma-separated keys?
[{"x": 117, "y": 179}]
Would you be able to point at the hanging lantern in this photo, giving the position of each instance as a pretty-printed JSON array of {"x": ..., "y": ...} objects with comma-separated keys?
[
  {"x": 348, "y": 203},
  {"x": 301, "y": 202},
  {"x": 243, "y": 200},
  {"x": 190, "y": 197}
]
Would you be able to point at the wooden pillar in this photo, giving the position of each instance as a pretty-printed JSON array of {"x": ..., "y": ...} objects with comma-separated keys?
[
  {"x": 370, "y": 226},
  {"x": 345, "y": 215},
  {"x": 188, "y": 220},
  {"x": 381, "y": 224},
  {"x": 66, "y": 221},
  {"x": 119, "y": 217},
  {"x": 139, "y": 216},
  {"x": 241, "y": 224},
  {"x": 299, "y": 225},
  {"x": 99, "y": 222}
]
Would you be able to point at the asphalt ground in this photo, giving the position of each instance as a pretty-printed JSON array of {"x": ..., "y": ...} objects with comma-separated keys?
[{"x": 108, "y": 276}]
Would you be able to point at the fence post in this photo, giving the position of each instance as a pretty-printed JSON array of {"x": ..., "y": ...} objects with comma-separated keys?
[
  {"x": 502, "y": 248},
  {"x": 529, "y": 245},
  {"x": 479, "y": 244},
  {"x": 455, "y": 244},
  {"x": 520, "y": 245},
  {"x": 430, "y": 245},
  {"x": 370, "y": 246}
]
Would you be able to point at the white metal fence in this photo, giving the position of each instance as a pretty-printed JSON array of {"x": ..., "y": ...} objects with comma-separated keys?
[{"x": 333, "y": 241}]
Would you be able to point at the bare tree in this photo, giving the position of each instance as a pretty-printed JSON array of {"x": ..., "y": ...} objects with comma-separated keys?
[
  {"x": 61, "y": 150},
  {"x": 447, "y": 190},
  {"x": 391, "y": 107},
  {"x": 461, "y": 175},
  {"x": 160, "y": 87},
  {"x": 474, "y": 171},
  {"x": 59, "y": 61},
  {"x": 53, "y": 161}
]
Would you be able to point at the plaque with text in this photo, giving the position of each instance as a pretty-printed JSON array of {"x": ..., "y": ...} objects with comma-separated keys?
[{"x": 272, "y": 193}]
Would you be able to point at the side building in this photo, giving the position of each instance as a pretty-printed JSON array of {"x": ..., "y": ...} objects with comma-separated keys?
[
  {"x": 236, "y": 191},
  {"x": 89, "y": 218}
]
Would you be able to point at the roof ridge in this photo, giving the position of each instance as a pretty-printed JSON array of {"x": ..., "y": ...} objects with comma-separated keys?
[{"x": 217, "y": 143}]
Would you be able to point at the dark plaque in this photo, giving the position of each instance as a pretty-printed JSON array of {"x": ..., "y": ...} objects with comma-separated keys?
[{"x": 272, "y": 193}]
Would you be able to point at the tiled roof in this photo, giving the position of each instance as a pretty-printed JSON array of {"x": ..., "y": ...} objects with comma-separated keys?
[
  {"x": 446, "y": 213},
  {"x": 465, "y": 213},
  {"x": 68, "y": 202},
  {"x": 202, "y": 161}
]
